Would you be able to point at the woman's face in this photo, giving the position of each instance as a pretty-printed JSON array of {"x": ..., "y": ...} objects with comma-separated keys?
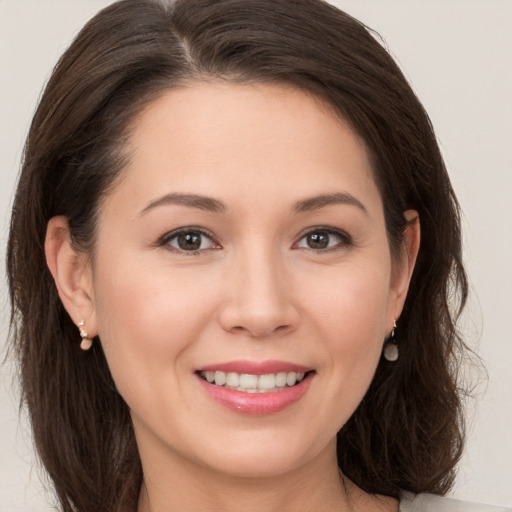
[{"x": 246, "y": 238}]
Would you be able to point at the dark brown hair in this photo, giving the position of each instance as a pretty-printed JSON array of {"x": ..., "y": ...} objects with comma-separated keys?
[{"x": 407, "y": 433}]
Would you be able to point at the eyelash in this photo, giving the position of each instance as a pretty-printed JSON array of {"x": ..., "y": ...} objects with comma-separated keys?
[
  {"x": 346, "y": 239},
  {"x": 189, "y": 230}
]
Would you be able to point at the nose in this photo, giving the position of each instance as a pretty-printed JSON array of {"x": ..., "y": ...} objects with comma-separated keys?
[{"x": 259, "y": 300}]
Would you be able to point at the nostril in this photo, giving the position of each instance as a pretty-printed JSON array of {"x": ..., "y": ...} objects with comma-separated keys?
[
  {"x": 258, "y": 328},
  {"x": 259, "y": 303}
]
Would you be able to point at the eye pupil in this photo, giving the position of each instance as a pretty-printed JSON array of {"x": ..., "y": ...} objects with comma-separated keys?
[
  {"x": 318, "y": 240},
  {"x": 189, "y": 241}
]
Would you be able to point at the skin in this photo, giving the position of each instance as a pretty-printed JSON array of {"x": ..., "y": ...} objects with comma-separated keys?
[{"x": 256, "y": 289}]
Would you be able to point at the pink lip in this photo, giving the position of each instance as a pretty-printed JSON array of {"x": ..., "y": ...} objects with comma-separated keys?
[
  {"x": 257, "y": 403},
  {"x": 255, "y": 367}
]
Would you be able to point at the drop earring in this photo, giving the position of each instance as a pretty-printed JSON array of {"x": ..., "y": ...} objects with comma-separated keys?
[
  {"x": 86, "y": 342},
  {"x": 390, "y": 347}
]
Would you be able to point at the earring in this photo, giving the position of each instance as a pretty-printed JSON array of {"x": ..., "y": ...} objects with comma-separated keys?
[
  {"x": 86, "y": 342},
  {"x": 390, "y": 347}
]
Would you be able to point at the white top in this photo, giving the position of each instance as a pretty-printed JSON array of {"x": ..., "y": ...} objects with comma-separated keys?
[{"x": 431, "y": 503}]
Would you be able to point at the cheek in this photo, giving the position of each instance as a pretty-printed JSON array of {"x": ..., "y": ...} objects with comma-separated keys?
[
  {"x": 134, "y": 299},
  {"x": 352, "y": 306},
  {"x": 146, "y": 321},
  {"x": 351, "y": 316}
]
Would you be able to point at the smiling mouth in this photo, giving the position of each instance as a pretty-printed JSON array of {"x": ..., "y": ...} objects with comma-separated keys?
[{"x": 249, "y": 383}]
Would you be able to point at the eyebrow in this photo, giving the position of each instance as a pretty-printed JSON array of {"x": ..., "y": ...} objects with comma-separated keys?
[
  {"x": 318, "y": 202},
  {"x": 210, "y": 204},
  {"x": 191, "y": 200}
]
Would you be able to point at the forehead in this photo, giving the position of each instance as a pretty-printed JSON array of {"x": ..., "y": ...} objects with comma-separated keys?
[{"x": 255, "y": 139}]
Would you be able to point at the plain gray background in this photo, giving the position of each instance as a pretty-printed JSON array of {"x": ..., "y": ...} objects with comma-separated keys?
[{"x": 457, "y": 54}]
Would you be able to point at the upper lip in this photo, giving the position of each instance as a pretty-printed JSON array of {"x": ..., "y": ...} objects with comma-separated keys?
[{"x": 255, "y": 367}]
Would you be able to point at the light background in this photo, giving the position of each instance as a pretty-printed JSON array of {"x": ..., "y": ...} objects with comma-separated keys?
[{"x": 458, "y": 55}]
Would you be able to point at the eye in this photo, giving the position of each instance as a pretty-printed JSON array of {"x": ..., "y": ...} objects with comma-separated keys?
[
  {"x": 189, "y": 240},
  {"x": 322, "y": 239}
]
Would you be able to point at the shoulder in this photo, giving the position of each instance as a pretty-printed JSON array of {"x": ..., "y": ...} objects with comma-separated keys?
[{"x": 430, "y": 503}]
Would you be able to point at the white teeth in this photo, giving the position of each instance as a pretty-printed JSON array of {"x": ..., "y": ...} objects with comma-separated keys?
[
  {"x": 220, "y": 378},
  {"x": 249, "y": 383},
  {"x": 232, "y": 380},
  {"x": 291, "y": 378},
  {"x": 281, "y": 379},
  {"x": 247, "y": 390},
  {"x": 267, "y": 381}
]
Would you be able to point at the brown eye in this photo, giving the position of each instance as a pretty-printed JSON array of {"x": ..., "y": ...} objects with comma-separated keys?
[
  {"x": 190, "y": 241},
  {"x": 317, "y": 240},
  {"x": 322, "y": 239}
]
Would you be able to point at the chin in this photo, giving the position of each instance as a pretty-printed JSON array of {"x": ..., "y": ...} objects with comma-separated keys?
[
  {"x": 258, "y": 467},
  {"x": 263, "y": 457}
]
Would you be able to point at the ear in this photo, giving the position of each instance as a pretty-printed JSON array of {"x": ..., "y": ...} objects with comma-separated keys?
[
  {"x": 403, "y": 268},
  {"x": 72, "y": 274}
]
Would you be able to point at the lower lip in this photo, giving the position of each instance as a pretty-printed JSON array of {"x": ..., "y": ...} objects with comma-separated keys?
[{"x": 257, "y": 403}]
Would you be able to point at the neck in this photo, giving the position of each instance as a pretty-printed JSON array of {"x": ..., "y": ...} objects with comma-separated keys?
[{"x": 185, "y": 487}]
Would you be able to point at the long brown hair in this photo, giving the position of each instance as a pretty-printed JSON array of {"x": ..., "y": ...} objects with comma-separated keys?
[{"x": 407, "y": 433}]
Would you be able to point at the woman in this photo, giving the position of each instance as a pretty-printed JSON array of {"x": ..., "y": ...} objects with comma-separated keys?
[{"x": 230, "y": 197}]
